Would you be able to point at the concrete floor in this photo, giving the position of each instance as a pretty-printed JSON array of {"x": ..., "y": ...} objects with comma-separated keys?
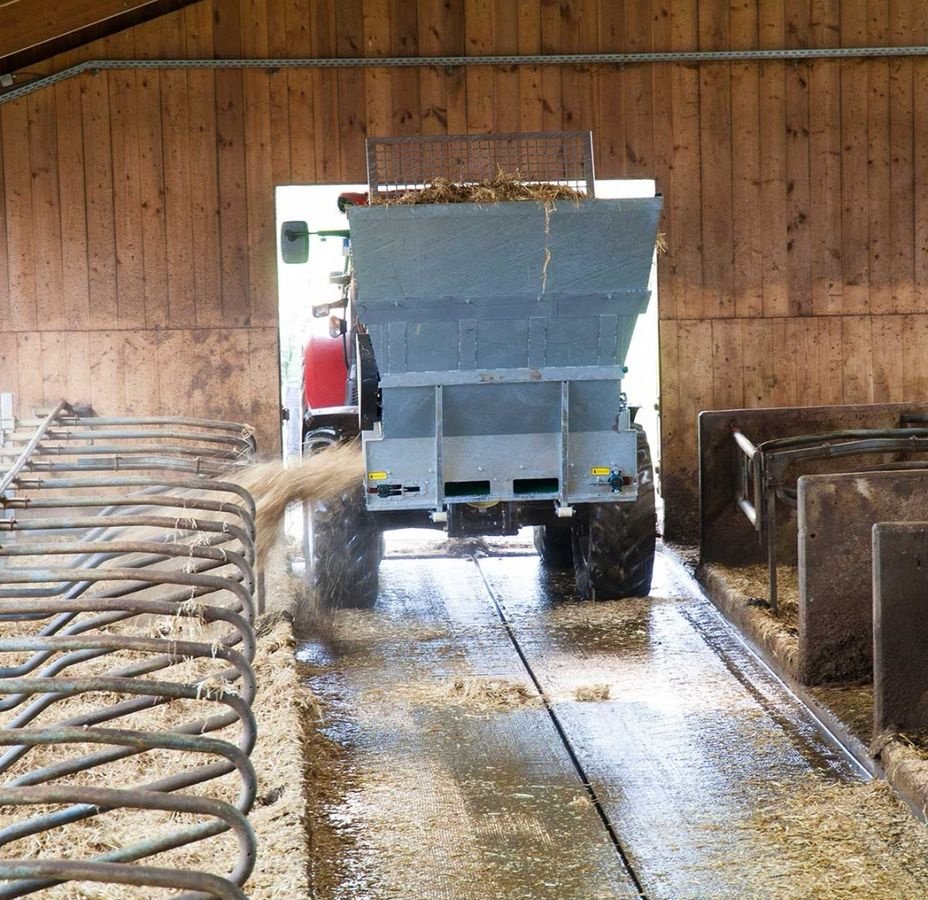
[{"x": 699, "y": 775}]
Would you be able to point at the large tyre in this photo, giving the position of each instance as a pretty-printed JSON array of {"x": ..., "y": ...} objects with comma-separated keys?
[
  {"x": 341, "y": 542},
  {"x": 613, "y": 546},
  {"x": 554, "y": 546}
]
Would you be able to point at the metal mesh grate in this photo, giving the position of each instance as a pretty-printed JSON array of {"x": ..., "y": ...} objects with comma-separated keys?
[{"x": 399, "y": 164}]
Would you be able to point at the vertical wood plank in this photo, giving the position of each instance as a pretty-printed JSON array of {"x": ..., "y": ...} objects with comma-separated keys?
[
  {"x": 78, "y": 389},
  {"x": 173, "y": 38},
  {"x": 108, "y": 386},
  {"x": 747, "y": 218},
  {"x": 46, "y": 210},
  {"x": 715, "y": 166},
  {"x": 855, "y": 223},
  {"x": 73, "y": 204},
  {"x": 771, "y": 30},
  {"x": 825, "y": 23},
  {"x": 798, "y": 190},
  {"x": 326, "y": 126},
  {"x": 6, "y": 303},
  {"x": 888, "y": 362},
  {"x": 803, "y": 332},
  {"x": 17, "y": 176},
  {"x": 456, "y": 82},
  {"x": 727, "y": 364},
  {"x": 279, "y": 91},
  {"x": 672, "y": 428},
  {"x": 232, "y": 344},
  {"x": 9, "y": 365},
  {"x": 198, "y": 29},
  {"x": 51, "y": 361},
  {"x": 529, "y": 43},
  {"x": 783, "y": 381},
  {"x": 179, "y": 190},
  {"x": 100, "y": 190},
  {"x": 204, "y": 199},
  {"x": 259, "y": 195},
  {"x": 857, "y": 351},
  {"x": 914, "y": 358},
  {"x": 481, "y": 95},
  {"x": 178, "y": 390},
  {"x": 552, "y": 106},
  {"x": 31, "y": 381},
  {"x": 378, "y": 82},
  {"x": 716, "y": 181},
  {"x": 902, "y": 127},
  {"x": 407, "y": 108},
  {"x": 143, "y": 396},
  {"x": 301, "y": 109},
  {"x": 254, "y": 28},
  {"x": 351, "y": 101},
  {"x": 759, "y": 363},
  {"x": 259, "y": 179},
  {"x": 433, "y": 92},
  {"x": 694, "y": 358},
  {"x": 685, "y": 187},
  {"x": 611, "y": 136},
  {"x": 204, "y": 169},
  {"x": 664, "y": 161},
  {"x": 127, "y": 199},
  {"x": 178, "y": 195},
  {"x": 830, "y": 360},
  {"x": 920, "y": 176},
  {"x": 878, "y": 163},
  {"x": 578, "y": 32},
  {"x": 694, "y": 346},
  {"x": 639, "y": 105},
  {"x": 825, "y": 161},
  {"x": 506, "y": 78},
  {"x": 435, "y": 33},
  {"x": 262, "y": 353},
  {"x": 233, "y": 204},
  {"x": 300, "y": 115},
  {"x": 152, "y": 189},
  {"x": 825, "y": 203}
]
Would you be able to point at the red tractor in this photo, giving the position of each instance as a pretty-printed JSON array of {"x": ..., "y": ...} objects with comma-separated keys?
[{"x": 478, "y": 350}]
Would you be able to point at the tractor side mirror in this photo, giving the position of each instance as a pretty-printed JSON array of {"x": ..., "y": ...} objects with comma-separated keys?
[
  {"x": 321, "y": 310},
  {"x": 294, "y": 242}
]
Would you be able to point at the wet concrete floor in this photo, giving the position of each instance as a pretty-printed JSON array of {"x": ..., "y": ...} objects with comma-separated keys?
[{"x": 455, "y": 760}]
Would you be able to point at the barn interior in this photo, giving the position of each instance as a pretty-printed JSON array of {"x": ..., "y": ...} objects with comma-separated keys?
[{"x": 222, "y": 678}]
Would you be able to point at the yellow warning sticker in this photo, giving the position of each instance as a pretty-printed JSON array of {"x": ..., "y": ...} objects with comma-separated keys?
[
  {"x": 600, "y": 470},
  {"x": 377, "y": 476}
]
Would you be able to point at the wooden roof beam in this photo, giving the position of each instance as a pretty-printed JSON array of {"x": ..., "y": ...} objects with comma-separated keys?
[{"x": 31, "y": 32}]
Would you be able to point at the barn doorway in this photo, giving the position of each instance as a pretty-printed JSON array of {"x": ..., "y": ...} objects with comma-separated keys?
[{"x": 304, "y": 285}]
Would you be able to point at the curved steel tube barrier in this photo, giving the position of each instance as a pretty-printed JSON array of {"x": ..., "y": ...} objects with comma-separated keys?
[
  {"x": 761, "y": 470},
  {"x": 127, "y": 602}
]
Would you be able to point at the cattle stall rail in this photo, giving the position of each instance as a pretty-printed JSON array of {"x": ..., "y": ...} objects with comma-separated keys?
[{"x": 127, "y": 600}]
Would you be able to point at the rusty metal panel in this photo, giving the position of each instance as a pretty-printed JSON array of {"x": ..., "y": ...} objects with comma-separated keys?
[
  {"x": 900, "y": 626},
  {"x": 836, "y": 518}
]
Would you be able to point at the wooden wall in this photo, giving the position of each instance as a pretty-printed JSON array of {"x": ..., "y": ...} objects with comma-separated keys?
[{"x": 137, "y": 244}]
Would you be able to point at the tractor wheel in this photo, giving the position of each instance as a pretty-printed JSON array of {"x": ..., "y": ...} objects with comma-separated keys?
[
  {"x": 613, "y": 547},
  {"x": 553, "y": 546},
  {"x": 341, "y": 542}
]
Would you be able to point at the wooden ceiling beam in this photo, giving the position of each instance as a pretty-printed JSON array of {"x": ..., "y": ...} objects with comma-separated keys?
[{"x": 31, "y": 32}]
